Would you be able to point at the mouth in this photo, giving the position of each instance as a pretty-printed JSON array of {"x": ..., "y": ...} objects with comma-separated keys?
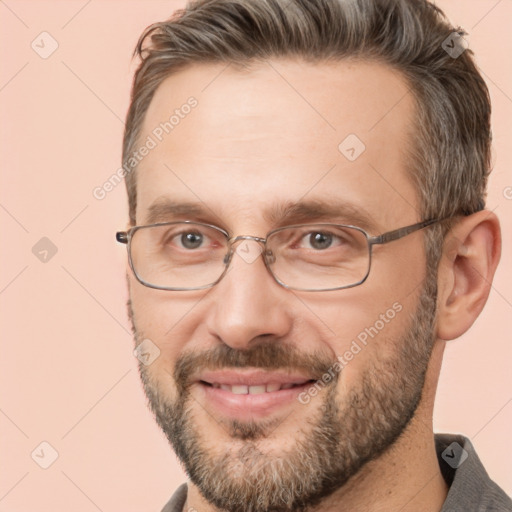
[
  {"x": 250, "y": 394},
  {"x": 256, "y": 389}
]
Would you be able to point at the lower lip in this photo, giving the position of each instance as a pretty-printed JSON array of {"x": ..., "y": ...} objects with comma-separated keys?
[{"x": 245, "y": 407}]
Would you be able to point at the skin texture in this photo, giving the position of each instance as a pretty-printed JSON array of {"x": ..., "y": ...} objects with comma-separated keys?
[{"x": 266, "y": 135}]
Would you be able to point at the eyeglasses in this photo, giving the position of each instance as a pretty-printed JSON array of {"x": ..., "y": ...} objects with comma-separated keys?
[{"x": 189, "y": 255}]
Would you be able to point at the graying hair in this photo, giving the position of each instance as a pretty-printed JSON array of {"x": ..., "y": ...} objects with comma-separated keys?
[{"x": 450, "y": 150}]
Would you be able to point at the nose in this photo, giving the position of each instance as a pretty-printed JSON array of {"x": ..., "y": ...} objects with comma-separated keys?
[{"x": 248, "y": 304}]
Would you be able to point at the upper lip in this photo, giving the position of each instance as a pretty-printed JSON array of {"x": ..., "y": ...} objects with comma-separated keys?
[{"x": 252, "y": 377}]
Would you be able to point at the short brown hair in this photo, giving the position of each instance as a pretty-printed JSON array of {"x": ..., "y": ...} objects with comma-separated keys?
[{"x": 450, "y": 153}]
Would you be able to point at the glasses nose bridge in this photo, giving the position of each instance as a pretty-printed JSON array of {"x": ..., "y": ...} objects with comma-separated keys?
[
  {"x": 240, "y": 238},
  {"x": 233, "y": 240}
]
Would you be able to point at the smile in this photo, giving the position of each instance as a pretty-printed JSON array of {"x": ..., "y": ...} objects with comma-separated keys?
[
  {"x": 250, "y": 394},
  {"x": 258, "y": 389}
]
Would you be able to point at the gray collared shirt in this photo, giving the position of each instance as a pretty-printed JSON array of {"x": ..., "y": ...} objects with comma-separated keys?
[{"x": 471, "y": 489}]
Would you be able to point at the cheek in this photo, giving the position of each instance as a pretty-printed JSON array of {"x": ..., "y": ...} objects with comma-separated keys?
[
  {"x": 159, "y": 316},
  {"x": 358, "y": 316},
  {"x": 379, "y": 340},
  {"x": 173, "y": 321},
  {"x": 370, "y": 321}
]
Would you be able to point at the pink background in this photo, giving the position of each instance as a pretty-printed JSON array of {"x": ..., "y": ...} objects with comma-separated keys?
[{"x": 67, "y": 372}]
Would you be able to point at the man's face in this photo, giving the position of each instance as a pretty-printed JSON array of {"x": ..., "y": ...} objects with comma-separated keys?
[{"x": 257, "y": 141}]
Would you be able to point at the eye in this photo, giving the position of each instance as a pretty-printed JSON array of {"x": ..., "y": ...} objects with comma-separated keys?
[
  {"x": 185, "y": 239},
  {"x": 191, "y": 239},
  {"x": 319, "y": 240}
]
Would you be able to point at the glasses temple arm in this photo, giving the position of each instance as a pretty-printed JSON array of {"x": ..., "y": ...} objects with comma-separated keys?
[{"x": 401, "y": 232}]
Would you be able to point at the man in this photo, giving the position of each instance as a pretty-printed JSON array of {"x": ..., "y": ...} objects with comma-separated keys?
[{"x": 306, "y": 184}]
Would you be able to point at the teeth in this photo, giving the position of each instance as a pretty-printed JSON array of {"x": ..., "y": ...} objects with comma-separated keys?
[
  {"x": 256, "y": 390},
  {"x": 240, "y": 389}
]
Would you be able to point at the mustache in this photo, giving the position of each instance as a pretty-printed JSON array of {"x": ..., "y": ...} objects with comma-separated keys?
[{"x": 267, "y": 355}]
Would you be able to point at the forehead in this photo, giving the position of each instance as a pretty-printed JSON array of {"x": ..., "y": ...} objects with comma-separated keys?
[{"x": 279, "y": 132}]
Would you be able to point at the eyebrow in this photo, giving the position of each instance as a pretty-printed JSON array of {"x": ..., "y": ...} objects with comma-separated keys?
[
  {"x": 164, "y": 209},
  {"x": 319, "y": 210}
]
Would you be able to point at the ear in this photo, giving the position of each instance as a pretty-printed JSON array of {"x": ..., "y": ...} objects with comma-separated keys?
[{"x": 471, "y": 253}]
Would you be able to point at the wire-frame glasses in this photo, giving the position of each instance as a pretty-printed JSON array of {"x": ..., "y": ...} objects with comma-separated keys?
[{"x": 187, "y": 255}]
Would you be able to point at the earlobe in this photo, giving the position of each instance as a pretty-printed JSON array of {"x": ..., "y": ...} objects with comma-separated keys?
[{"x": 470, "y": 256}]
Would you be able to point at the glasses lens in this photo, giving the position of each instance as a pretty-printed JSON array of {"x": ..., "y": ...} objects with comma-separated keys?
[
  {"x": 319, "y": 257},
  {"x": 180, "y": 255}
]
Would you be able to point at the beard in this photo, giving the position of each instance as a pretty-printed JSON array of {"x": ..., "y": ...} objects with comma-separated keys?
[{"x": 347, "y": 430}]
